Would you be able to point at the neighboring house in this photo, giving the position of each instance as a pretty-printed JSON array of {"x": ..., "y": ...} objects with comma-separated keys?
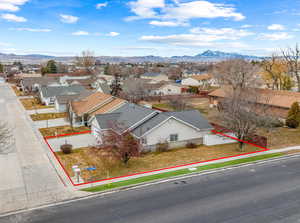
[
  {"x": 169, "y": 89},
  {"x": 31, "y": 84},
  {"x": 155, "y": 77},
  {"x": 277, "y": 102},
  {"x": 83, "y": 109},
  {"x": 103, "y": 88},
  {"x": 203, "y": 80},
  {"x": 152, "y": 127},
  {"x": 62, "y": 101},
  {"x": 48, "y": 94}
]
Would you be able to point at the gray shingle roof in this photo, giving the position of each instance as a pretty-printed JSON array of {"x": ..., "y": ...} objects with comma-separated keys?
[
  {"x": 151, "y": 74},
  {"x": 142, "y": 119},
  {"x": 127, "y": 116},
  {"x": 61, "y": 90},
  {"x": 192, "y": 117},
  {"x": 63, "y": 99}
]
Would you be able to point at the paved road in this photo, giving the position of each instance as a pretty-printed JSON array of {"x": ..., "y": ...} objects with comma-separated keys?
[
  {"x": 257, "y": 193},
  {"x": 27, "y": 177}
]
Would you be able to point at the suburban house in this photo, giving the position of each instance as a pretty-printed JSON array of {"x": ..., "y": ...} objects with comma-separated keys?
[
  {"x": 62, "y": 101},
  {"x": 278, "y": 102},
  {"x": 155, "y": 77},
  {"x": 152, "y": 127},
  {"x": 203, "y": 80},
  {"x": 30, "y": 84},
  {"x": 48, "y": 94},
  {"x": 169, "y": 89},
  {"x": 83, "y": 109}
]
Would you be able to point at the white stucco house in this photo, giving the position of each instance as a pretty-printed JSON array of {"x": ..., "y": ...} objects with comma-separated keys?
[
  {"x": 202, "y": 80},
  {"x": 152, "y": 127},
  {"x": 169, "y": 89},
  {"x": 48, "y": 94}
]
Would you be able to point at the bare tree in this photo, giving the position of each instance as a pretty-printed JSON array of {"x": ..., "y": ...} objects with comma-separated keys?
[
  {"x": 178, "y": 103},
  {"x": 292, "y": 56},
  {"x": 243, "y": 112},
  {"x": 237, "y": 73},
  {"x": 86, "y": 60},
  {"x": 119, "y": 144},
  {"x": 6, "y": 138}
]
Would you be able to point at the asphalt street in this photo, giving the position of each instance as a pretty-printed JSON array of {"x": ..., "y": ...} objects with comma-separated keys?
[{"x": 257, "y": 193}]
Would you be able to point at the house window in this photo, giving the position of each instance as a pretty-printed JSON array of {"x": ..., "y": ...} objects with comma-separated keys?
[
  {"x": 144, "y": 141},
  {"x": 173, "y": 137}
]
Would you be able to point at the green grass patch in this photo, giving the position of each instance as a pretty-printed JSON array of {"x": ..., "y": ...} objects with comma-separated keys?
[{"x": 178, "y": 173}]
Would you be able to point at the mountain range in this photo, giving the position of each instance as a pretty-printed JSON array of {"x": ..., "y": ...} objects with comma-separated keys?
[{"x": 207, "y": 56}]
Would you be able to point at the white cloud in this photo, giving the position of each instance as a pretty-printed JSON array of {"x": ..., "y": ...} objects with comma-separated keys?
[
  {"x": 113, "y": 34},
  {"x": 68, "y": 18},
  {"x": 202, "y": 37},
  {"x": 183, "y": 12},
  {"x": 101, "y": 5},
  {"x": 167, "y": 23},
  {"x": 13, "y": 18},
  {"x": 223, "y": 33},
  {"x": 32, "y": 30},
  {"x": 277, "y": 27},
  {"x": 80, "y": 33},
  {"x": 275, "y": 36},
  {"x": 246, "y": 26},
  {"x": 11, "y": 5}
]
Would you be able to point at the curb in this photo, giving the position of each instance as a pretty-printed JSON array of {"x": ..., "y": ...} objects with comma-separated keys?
[{"x": 150, "y": 183}]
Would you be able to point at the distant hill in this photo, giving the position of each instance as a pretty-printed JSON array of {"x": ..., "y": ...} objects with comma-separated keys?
[{"x": 207, "y": 56}]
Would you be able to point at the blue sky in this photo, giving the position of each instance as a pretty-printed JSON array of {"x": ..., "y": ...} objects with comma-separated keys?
[{"x": 148, "y": 27}]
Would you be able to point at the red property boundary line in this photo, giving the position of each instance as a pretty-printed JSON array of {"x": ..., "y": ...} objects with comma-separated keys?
[{"x": 152, "y": 171}]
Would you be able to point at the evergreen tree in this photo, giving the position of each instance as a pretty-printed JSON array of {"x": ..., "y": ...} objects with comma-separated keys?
[
  {"x": 1, "y": 68},
  {"x": 293, "y": 119},
  {"x": 51, "y": 67}
]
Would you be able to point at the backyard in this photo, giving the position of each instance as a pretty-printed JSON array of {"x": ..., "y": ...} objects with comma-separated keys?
[
  {"x": 33, "y": 103},
  {"x": 61, "y": 130},
  {"x": 85, "y": 157}
]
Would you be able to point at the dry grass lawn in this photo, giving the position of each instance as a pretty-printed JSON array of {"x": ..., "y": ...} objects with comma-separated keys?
[
  {"x": 282, "y": 137},
  {"x": 84, "y": 157},
  {"x": 47, "y": 116},
  {"x": 60, "y": 130},
  {"x": 33, "y": 103},
  {"x": 17, "y": 91}
]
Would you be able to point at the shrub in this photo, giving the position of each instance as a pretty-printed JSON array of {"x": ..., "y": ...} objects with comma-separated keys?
[
  {"x": 292, "y": 123},
  {"x": 162, "y": 147},
  {"x": 191, "y": 145},
  {"x": 66, "y": 148}
]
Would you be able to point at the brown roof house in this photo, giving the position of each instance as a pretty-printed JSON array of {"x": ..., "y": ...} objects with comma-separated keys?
[
  {"x": 82, "y": 110},
  {"x": 278, "y": 102}
]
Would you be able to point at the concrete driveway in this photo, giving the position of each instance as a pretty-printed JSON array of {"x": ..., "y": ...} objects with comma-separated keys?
[
  {"x": 51, "y": 123},
  {"x": 78, "y": 141},
  {"x": 46, "y": 110},
  {"x": 28, "y": 175}
]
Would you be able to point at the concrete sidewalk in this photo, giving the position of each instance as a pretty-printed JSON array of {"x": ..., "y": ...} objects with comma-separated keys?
[{"x": 28, "y": 177}]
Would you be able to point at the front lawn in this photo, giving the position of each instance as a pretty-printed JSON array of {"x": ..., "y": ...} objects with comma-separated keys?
[
  {"x": 17, "y": 91},
  {"x": 33, "y": 103},
  {"x": 84, "y": 157},
  {"x": 61, "y": 130},
  {"x": 47, "y": 116},
  {"x": 179, "y": 172}
]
